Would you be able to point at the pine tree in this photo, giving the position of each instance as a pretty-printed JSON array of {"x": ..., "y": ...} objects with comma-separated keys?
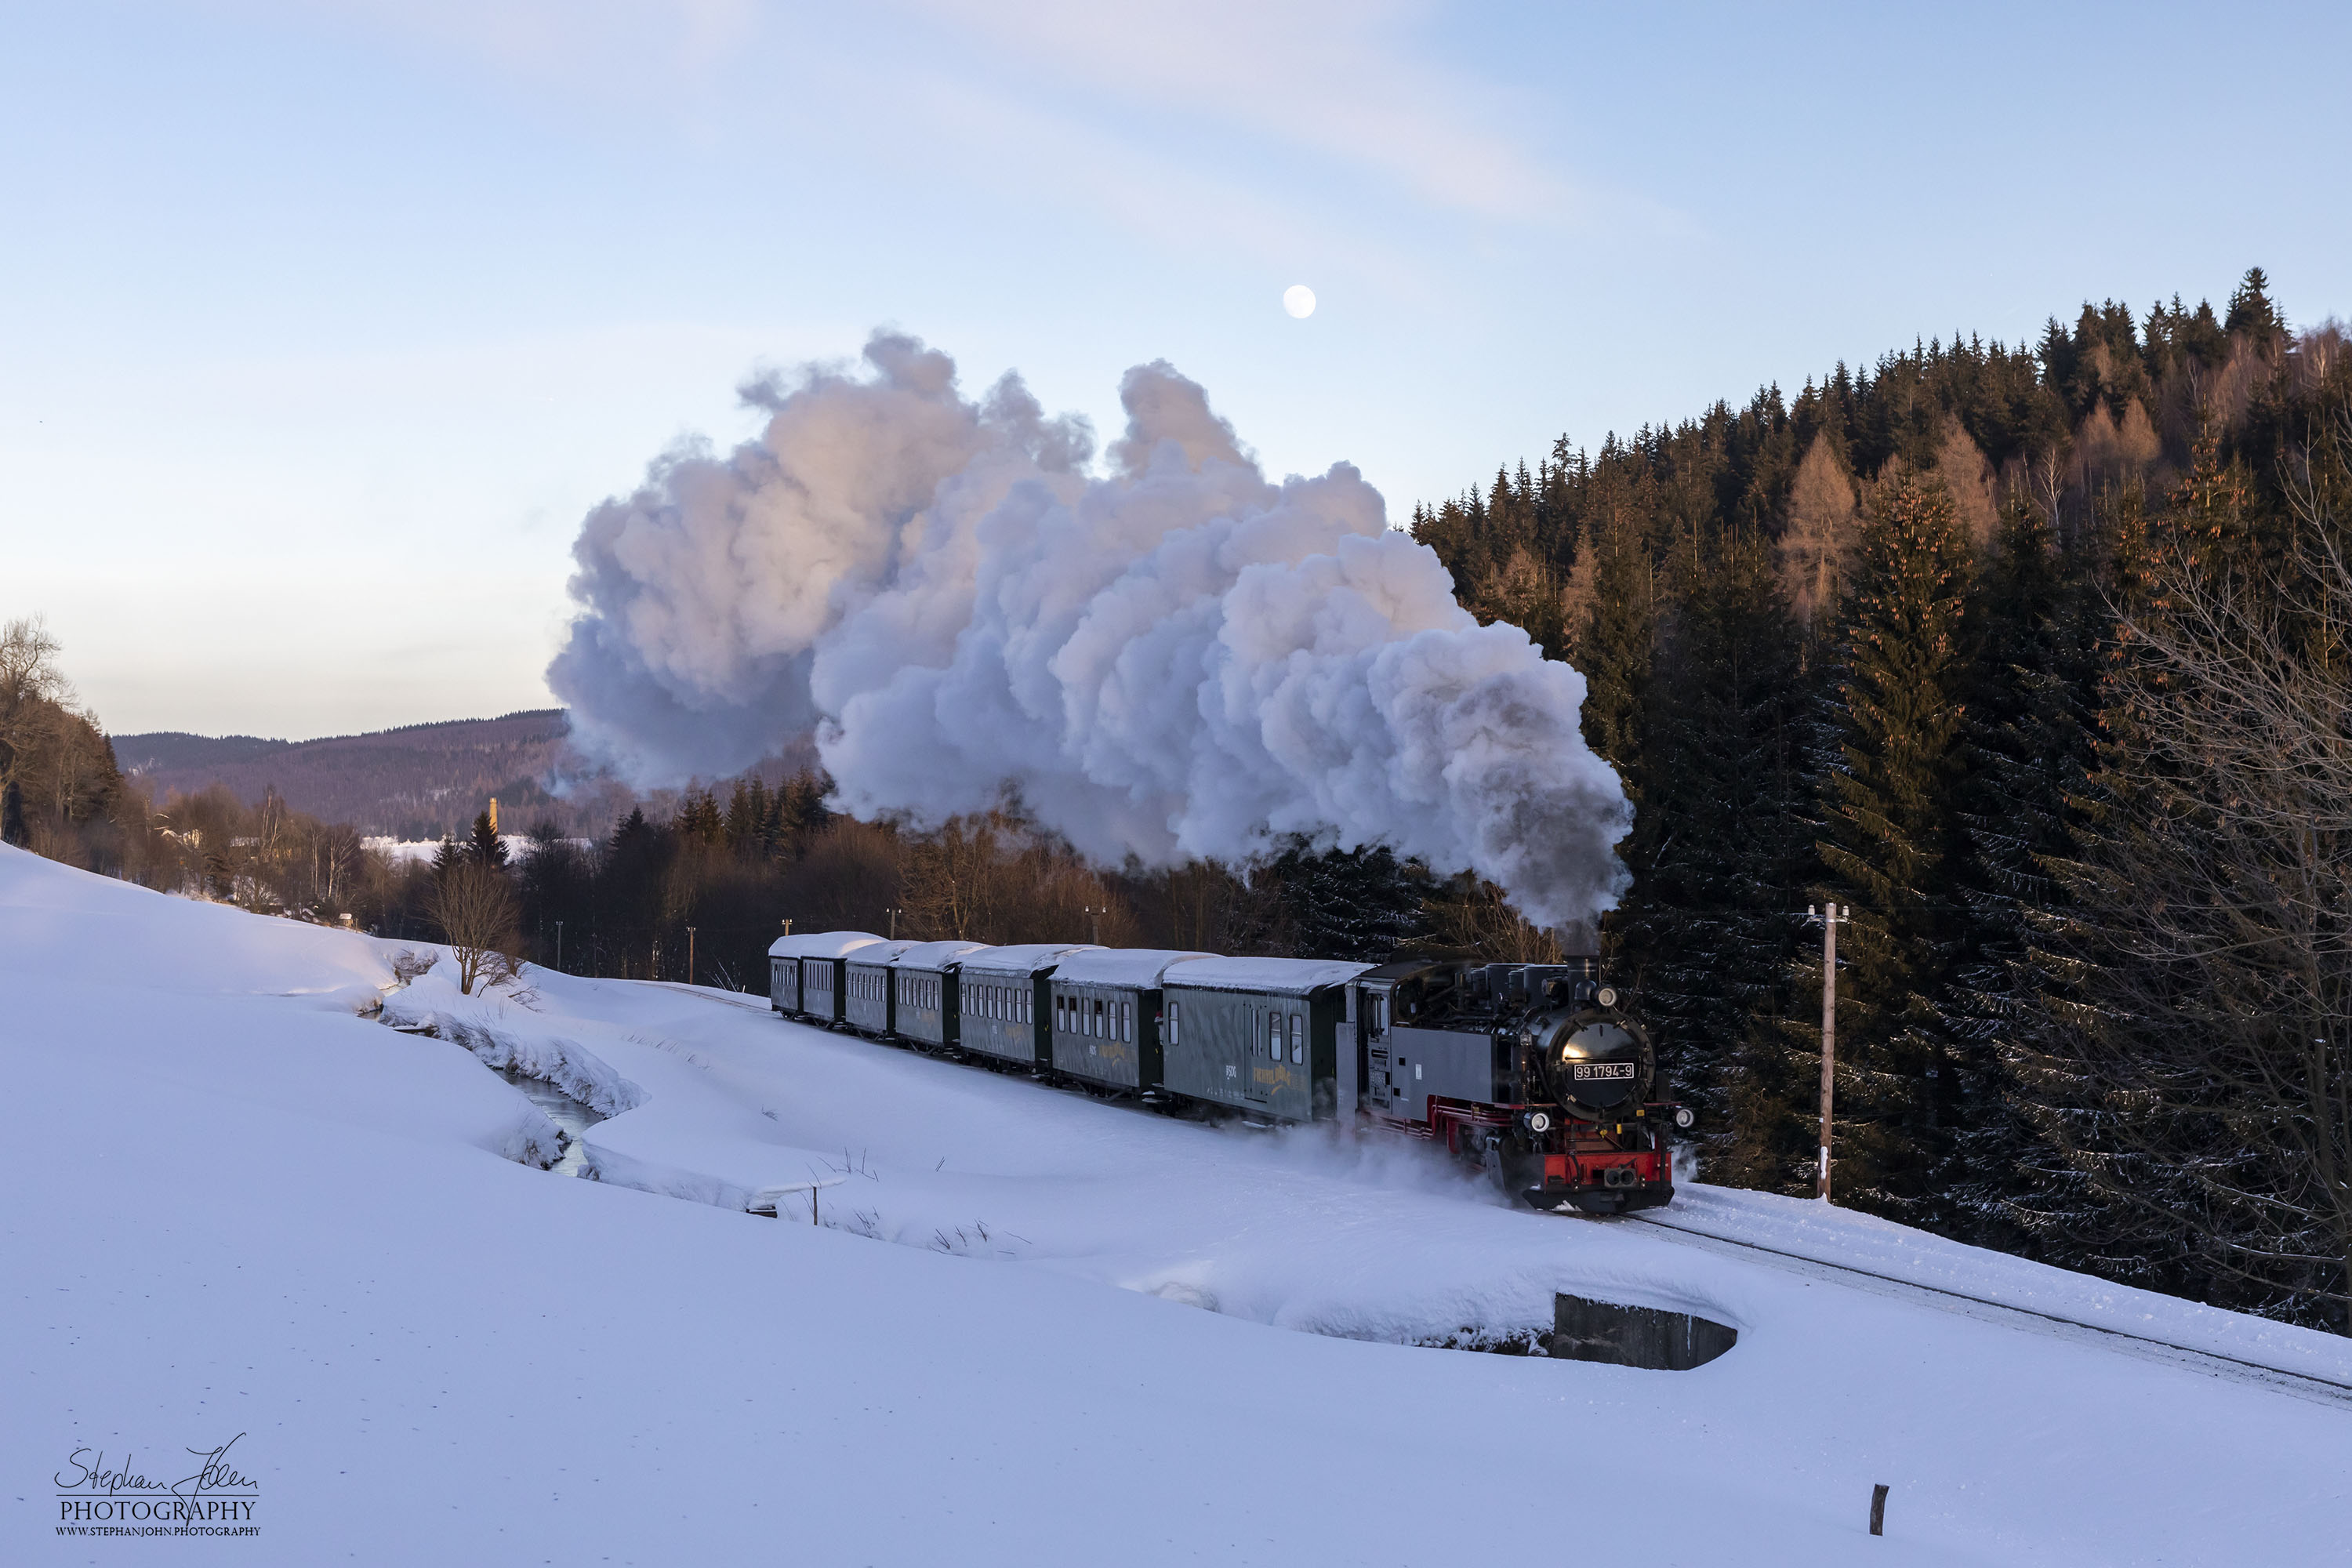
[
  {"x": 2029, "y": 740},
  {"x": 483, "y": 846},
  {"x": 747, "y": 812},
  {"x": 2251, "y": 313},
  {"x": 1615, "y": 646},
  {"x": 1360, "y": 905},
  {"x": 1892, "y": 830},
  {"x": 1704, "y": 939},
  {"x": 699, "y": 820}
]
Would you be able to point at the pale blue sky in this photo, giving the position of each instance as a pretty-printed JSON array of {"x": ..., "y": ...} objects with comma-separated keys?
[{"x": 320, "y": 326}]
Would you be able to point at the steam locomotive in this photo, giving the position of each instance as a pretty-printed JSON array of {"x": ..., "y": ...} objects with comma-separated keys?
[{"x": 1532, "y": 1072}]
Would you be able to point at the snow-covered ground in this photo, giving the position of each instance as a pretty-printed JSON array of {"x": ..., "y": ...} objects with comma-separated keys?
[{"x": 1033, "y": 1327}]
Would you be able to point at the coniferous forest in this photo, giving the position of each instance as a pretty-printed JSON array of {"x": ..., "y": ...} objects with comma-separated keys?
[{"x": 2036, "y": 657}]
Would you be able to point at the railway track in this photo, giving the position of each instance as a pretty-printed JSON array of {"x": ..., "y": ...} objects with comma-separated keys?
[
  {"x": 1985, "y": 1309},
  {"x": 744, "y": 999},
  {"x": 2301, "y": 1384}
]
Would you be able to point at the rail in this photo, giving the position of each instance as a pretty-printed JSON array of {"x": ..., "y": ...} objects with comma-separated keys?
[{"x": 2309, "y": 1384}]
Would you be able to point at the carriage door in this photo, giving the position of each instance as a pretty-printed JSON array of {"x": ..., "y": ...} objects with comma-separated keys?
[
  {"x": 1380, "y": 1081},
  {"x": 1257, "y": 1067}
]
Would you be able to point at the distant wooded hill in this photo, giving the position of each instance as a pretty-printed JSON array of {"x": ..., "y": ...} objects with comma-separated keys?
[{"x": 416, "y": 782}]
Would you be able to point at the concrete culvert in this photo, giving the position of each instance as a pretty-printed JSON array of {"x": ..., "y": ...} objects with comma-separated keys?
[{"x": 1635, "y": 1336}]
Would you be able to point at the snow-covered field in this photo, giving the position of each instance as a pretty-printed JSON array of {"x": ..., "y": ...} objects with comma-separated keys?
[{"x": 1031, "y": 1328}]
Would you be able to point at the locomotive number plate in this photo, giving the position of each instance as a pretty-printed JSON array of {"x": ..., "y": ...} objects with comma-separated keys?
[{"x": 1604, "y": 1070}]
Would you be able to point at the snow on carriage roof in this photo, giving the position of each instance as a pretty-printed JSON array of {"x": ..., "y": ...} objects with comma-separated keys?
[
  {"x": 884, "y": 952},
  {"x": 1136, "y": 966},
  {"x": 1283, "y": 975},
  {"x": 935, "y": 954},
  {"x": 820, "y": 943},
  {"x": 1024, "y": 958}
]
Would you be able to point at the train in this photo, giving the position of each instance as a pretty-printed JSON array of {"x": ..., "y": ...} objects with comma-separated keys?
[{"x": 1538, "y": 1074}]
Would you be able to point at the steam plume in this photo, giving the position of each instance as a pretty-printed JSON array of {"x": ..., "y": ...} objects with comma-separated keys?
[{"x": 1172, "y": 659}]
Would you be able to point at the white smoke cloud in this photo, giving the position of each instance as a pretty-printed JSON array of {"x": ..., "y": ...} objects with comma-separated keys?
[{"x": 1173, "y": 660}]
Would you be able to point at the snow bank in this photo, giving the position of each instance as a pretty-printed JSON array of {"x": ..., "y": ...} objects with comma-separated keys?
[{"x": 503, "y": 1035}]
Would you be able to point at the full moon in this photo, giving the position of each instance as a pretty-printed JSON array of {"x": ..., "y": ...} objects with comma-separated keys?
[{"x": 1300, "y": 301}]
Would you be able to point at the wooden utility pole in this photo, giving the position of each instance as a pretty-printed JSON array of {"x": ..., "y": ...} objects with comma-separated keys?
[
  {"x": 1828, "y": 919},
  {"x": 690, "y": 955}
]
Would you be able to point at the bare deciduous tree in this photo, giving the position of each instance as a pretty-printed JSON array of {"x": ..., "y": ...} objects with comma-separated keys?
[
  {"x": 31, "y": 688},
  {"x": 2211, "y": 1013},
  {"x": 475, "y": 907}
]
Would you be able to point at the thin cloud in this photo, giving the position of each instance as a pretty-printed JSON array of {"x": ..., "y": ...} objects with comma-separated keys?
[{"x": 1341, "y": 80}]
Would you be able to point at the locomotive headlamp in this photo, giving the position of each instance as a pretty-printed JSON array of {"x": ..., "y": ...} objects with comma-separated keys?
[
  {"x": 1683, "y": 1117},
  {"x": 1607, "y": 996},
  {"x": 1538, "y": 1121}
]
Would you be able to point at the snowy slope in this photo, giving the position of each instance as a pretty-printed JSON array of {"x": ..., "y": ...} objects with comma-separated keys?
[{"x": 236, "y": 1204}]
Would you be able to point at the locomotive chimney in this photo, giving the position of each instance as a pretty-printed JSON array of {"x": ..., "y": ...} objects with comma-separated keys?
[
  {"x": 1580, "y": 950},
  {"x": 1578, "y": 939}
]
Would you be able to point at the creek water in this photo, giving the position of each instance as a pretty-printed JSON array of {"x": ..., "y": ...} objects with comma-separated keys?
[{"x": 573, "y": 1116}]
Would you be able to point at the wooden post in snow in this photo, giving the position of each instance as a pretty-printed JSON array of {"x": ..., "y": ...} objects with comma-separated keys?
[{"x": 1829, "y": 1036}]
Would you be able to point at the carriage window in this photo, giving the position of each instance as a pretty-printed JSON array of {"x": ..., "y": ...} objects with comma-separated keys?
[
  {"x": 1274, "y": 1036},
  {"x": 1297, "y": 1038},
  {"x": 1172, "y": 1021},
  {"x": 1127, "y": 1022}
]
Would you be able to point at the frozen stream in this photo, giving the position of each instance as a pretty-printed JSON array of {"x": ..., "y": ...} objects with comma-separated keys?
[{"x": 571, "y": 1116}]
